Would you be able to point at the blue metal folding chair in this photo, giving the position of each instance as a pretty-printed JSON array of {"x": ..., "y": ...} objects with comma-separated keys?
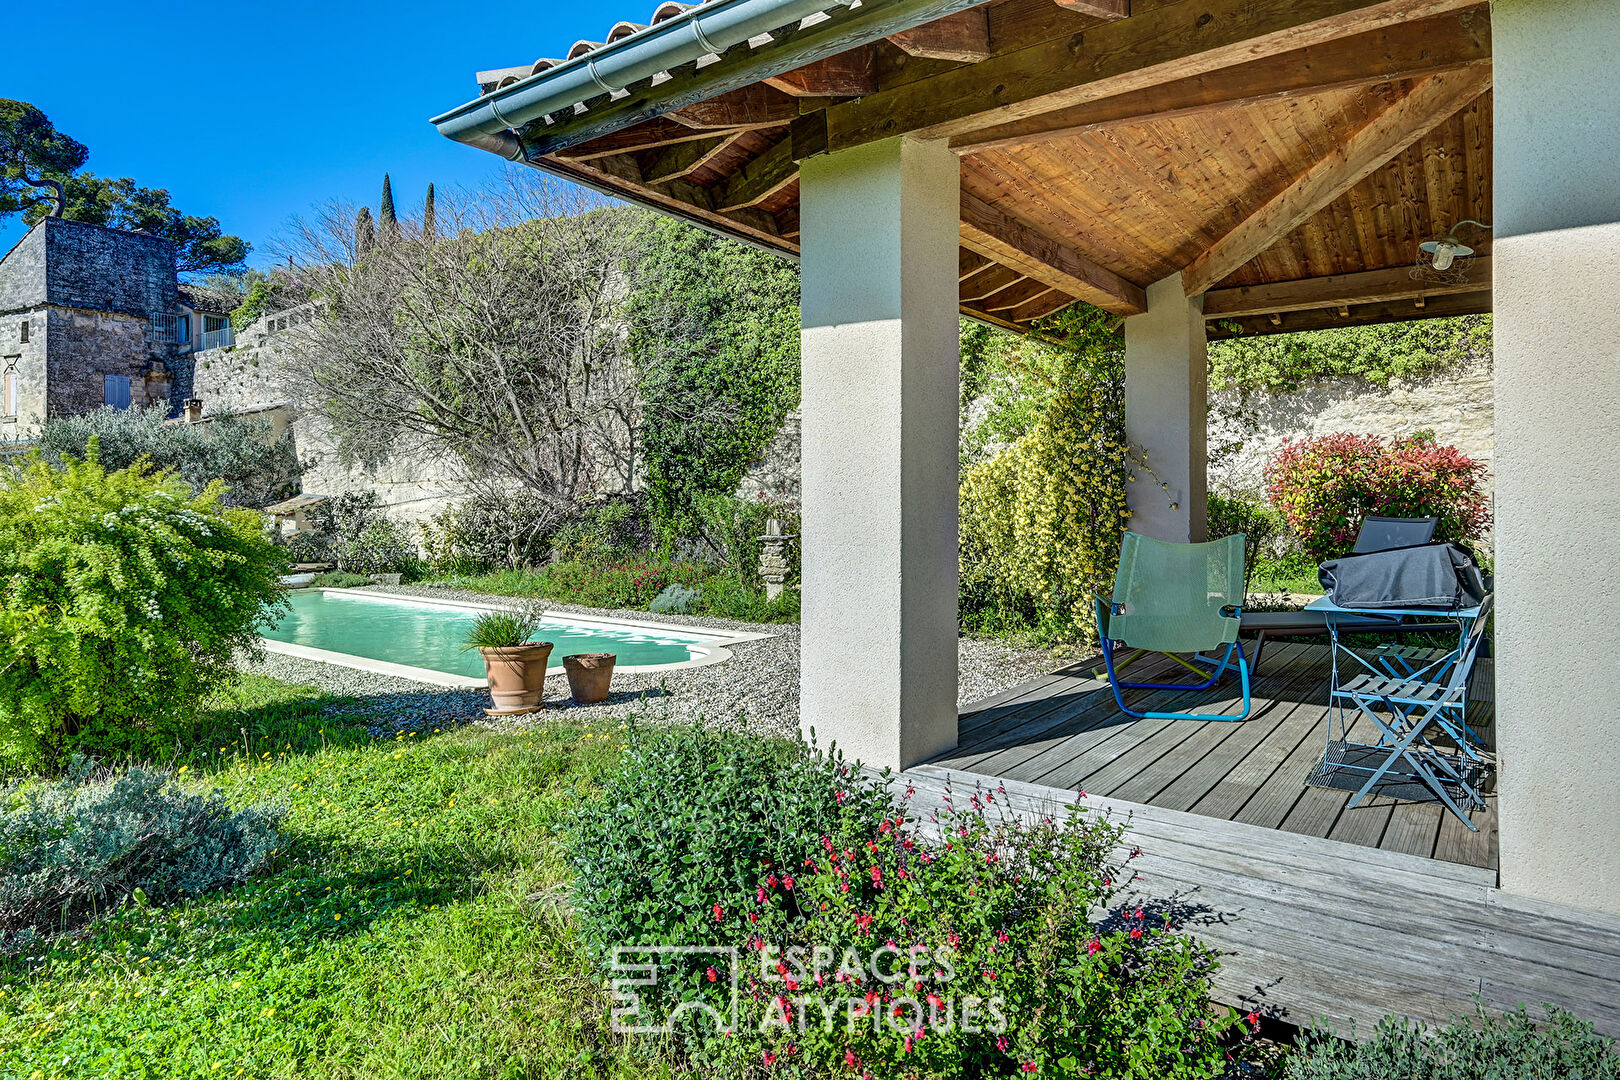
[
  {"x": 1405, "y": 707},
  {"x": 1181, "y": 600}
]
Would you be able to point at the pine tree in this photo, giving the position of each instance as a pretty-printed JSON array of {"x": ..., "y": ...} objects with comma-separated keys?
[
  {"x": 365, "y": 233},
  {"x": 388, "y": 224},
  {"x": 429, "y": 223}
]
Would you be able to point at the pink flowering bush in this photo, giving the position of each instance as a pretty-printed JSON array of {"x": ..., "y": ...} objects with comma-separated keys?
[
  {"x": 963, "y": 944},
  {"x": 1324, "y": 486}
]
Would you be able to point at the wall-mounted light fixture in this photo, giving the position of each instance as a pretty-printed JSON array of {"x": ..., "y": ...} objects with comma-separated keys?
[{"x": 1448, "y": 249}]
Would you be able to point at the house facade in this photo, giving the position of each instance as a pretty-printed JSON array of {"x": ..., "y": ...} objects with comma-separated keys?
[{"x": 92, "y": 316}]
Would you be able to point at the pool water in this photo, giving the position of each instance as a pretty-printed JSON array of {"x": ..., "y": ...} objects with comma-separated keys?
[{"x": 430, "y": 635}]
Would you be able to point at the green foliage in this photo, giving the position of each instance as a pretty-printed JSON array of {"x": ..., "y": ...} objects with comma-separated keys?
[
  {"x": 734, "y": 529},
  {"x": 975, "y": 954},
  {"x": 430, "y": 223},
  {"x": 337, "y": 579},
  {"x": 33, "y": 155},
  {"x": 1324, "y": 486},
  {"x": 632, "y": 583},
  {"x": 263, "y": 296},
  {"x": 365, "y": 231},
  {"x": 123, "y": 599},
  {"x": 84, "y": 845},
  {"x": 353, "y": 531},
  {"x": 1041, "y": 516},
  {"x": 1237, "y": 513},
  {"x": 714, "y": 333},
  {"x": 387, "y": 219},
  {"x": 493, "y": 530},
  {"x": 503, "y": 628},
  {"x": 405, "y": 929},
  {"x": 201, "y": 245},
  {"x": 242, "y": 452},
  {"x": 614, "y": 528},
  {"x": 676, "y": 600},
  {"x": 1511, "y": 1047},
  {"x": 1282, "y": 363},
  {"x": 671, "y": 849}
]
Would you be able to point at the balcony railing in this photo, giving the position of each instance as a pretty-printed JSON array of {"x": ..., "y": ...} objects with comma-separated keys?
[
  {"x": 171, "y": 329},
  {"x": 216, "y": 339}
]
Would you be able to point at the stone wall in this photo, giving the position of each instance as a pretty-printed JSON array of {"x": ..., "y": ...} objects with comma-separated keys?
[
  {"x": 86, "y": 346},
  {"x": 412, "y": 487},
  {"x": 71, "y": 264},
  {"x": 27, "y": 360},
  {"x": 1457, "y": 406},
  {"x": 774, "y": 475}
]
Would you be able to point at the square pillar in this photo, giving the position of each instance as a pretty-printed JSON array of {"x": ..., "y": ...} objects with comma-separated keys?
[
  {"x": 1166, "y": 391},
  {"x": 1556, "y": 257},
  {"x": 881, "y": 228}
]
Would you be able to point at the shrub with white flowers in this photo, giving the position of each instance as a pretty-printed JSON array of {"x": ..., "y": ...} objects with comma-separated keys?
[{"x": 123, "y": 599}]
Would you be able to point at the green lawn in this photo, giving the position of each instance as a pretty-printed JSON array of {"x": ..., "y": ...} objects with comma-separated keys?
[{"x": 409, "y": 928}]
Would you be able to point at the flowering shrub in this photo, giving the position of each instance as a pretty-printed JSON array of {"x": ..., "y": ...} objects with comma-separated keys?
[
  {"x": 670, "y": 850},
  {"x": 1041, "y": 519},
  {"x": 1324, "y": 486},
  {"x": 85, "y": 844},
  {"x": 971, "y": 953},
  {"x": 123, "y": 598}
]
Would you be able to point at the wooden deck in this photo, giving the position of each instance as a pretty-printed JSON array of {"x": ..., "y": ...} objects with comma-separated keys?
[
  {"x": 1320, "y": 913},
  {"x": 1065, "y": 731}
]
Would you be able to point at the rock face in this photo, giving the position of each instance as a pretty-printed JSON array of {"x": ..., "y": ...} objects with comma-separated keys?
[
  {"x": 77, "y": 307},
  {"x": 1457, "y": 406}
]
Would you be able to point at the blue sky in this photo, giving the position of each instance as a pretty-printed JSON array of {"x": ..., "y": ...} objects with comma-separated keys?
[{"x": 253, "y": 114}]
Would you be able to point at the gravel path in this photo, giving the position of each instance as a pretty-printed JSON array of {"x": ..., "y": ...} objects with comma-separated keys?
[{"x": 758, "y": 688}]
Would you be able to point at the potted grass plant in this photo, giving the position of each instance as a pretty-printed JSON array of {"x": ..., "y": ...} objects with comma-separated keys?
[{"x": 515, "y": 665}]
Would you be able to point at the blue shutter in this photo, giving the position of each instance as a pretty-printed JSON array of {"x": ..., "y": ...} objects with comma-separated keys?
[{"x": 117, "y": 391}]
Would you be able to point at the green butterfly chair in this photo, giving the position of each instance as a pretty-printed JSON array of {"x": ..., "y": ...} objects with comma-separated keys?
[{"x": 1181, "y": 600}]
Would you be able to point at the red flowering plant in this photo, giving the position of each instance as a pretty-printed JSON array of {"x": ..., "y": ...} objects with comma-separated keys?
[
  {"x": 1324, "y": 486},
  {"x": 963, "y": 943}
]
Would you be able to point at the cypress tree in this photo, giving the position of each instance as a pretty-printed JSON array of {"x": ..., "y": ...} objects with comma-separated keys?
[
  {"x": 387, "y": 223},
  {"x": 365, "y": 234},
  {"x": 428, "y": 222}
]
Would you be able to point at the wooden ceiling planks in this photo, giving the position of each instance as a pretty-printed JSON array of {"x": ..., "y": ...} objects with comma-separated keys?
[{"x": 1137, "y": 196}]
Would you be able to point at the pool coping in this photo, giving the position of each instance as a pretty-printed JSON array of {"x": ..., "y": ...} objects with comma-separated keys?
[{"x": 713, "y": 648}]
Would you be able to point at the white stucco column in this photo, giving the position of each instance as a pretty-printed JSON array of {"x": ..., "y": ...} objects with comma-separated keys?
[
  {"x": 1166, "y": 386},
  {"x": 881, "y": 228},
  {"x": 1556, "y": 263}
]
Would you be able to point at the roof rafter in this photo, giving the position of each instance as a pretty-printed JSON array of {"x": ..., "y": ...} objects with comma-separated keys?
[
  {"x": 1173, "y": 42},
  {"x": 992, "y": 233},
  {"x": 1366, "y": 287},
  {"x": 963, "y": 37},
  {"x": 1405, "y": 120},
  {"x": 1409, "y": 51}
]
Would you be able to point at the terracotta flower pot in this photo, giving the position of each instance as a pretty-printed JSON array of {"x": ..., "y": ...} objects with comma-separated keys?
[
  {"x": 517, "y": 676},
  {"x": 589, "y": 676}
]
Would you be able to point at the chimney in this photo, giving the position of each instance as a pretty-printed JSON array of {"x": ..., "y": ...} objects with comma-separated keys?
[{"x": 193, "y": 410}]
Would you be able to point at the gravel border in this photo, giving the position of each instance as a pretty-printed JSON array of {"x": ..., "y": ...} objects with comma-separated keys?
[{"x": 756, "y": 689}]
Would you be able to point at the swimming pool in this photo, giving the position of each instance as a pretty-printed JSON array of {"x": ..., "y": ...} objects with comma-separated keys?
[{"x": 421, "y": 639}]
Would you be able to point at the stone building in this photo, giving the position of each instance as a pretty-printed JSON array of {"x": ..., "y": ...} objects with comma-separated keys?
[{"x": 92, "y": 316}]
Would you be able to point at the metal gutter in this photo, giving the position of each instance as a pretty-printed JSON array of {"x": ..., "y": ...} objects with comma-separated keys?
[
  {"x": 707, "y": 30},
  {"x": 492, "y": 121}
]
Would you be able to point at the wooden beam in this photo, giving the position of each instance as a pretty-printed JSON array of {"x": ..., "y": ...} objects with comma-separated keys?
[
  {"x": 1448, "y": 43},
  {"x": 1404, "y": 121},
  {"x": 1015, "y": 295},
  {"x": 849, "y": 74},
  {"x": 1469, "y": 303},
  {"x": 1040, "y": 307},
  {"x": 963, "y": 37},
  {"x": 1176, "y": 41},
  {"x": 647, "y": 136},
  {"x": 1367, "y": 287},
  {"x": 685, "y": 158},
  {"x": 761, "y": 178},
  {"x": 994, "y": 234},
  {"x": 969, "y": 262},
  {"x": 754, "y": 106},
  {"x": 1098, "y": 9},
  {"x": 991, "y": 279}
]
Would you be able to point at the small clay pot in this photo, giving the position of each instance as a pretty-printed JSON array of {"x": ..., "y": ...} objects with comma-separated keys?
[
  {"x": 517, "y": 677},
  {"x": 589, "y": 676}
]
